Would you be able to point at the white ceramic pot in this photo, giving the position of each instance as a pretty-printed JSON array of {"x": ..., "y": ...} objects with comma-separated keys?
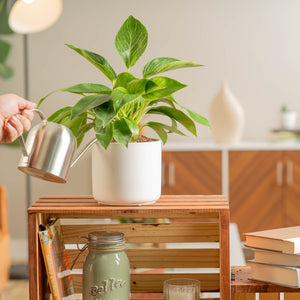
[
  {"x": 127, "y": 176},
  {"x": 289, "y": 120}
]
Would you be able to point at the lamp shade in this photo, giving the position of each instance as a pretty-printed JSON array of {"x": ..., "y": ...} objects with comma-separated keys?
[{"x": 30, "y": 16}]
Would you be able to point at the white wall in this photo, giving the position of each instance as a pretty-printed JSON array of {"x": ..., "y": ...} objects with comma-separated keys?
[{"x": 254, "y": 44}]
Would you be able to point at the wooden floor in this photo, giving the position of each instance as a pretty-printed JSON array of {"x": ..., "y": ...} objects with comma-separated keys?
[{"x": 15, "y": 289}]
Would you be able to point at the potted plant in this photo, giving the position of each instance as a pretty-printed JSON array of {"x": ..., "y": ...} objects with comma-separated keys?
[
  {"x": 288, "y": 118},
  {"x": 118, "y": 114}
]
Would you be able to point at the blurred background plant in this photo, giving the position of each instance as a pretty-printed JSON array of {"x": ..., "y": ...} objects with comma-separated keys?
[{"x": 6, "y": 71}]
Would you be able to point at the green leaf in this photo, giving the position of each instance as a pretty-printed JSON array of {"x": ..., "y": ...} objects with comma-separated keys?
[
  {"x": 60, "y": 114},
  {"x": 133, "y": 126},
  {"x": 105, "y": 112},
  {"x": 84, "y": 129},
  {"x": 43, "y": 99},
  {"x": 104, "y": 135},
  {"x": 88, "y": 102},
  {"x": 87, "y": 88},
  {"x": 4, "y": 50},
  {"x": 75, "y": 125},
  {"x": 163, "y": 100},
  {"x": 6, "y": 72},
  {"x": 123, "y": 79},
  {"x": 159, "y": 130},
  {"x": 131, "y": 41},
  {"x": 121, "y": 96},
  {"x": 159, "y": 87},
  {"x": 98, "y": 123},
  {"x": 195, "y": 116},
  {"x": 175, "y": 114},
  {"x": 198, "y": 118},
  {"x": 137, "y": 86},
  {"x": 98, "y": 61},
  {"x": 4, "y": 27},
  {"x": 164, "y": 126},
  {"x": 164, "y": 64},
  {"x": 122, "y": 133}
]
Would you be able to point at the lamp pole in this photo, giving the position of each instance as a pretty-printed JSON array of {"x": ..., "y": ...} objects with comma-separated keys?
[{"x": 26, "y": 93}]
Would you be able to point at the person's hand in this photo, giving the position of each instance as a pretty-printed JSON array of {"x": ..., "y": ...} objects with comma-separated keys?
[{"x": 15, "y": 117}]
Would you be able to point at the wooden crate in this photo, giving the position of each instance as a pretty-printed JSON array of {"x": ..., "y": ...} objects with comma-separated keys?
[
  {"x": 242, "y": 288},
  {"x": 158, "y": 253}
]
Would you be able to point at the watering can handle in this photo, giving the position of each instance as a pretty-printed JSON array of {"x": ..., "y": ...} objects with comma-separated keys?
[{"x": 21, "y": 139}]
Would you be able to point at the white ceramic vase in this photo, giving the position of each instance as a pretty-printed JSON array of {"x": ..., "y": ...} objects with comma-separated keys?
[
  {"x": 227, "y": 117},
  {"x": 127, "y": 176}
]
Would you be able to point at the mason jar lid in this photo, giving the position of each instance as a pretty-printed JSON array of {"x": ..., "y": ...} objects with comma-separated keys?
[{"x": 106, "y": 237}]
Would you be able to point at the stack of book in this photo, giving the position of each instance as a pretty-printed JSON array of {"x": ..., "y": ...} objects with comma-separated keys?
[
  {"x": 280, "y": 135},
  {"x": 56, "y": 261},
  {"x": 276, "y": 256}
]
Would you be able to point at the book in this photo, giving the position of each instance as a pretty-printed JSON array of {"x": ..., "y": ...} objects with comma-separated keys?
[
  {"x": 284, "y": 135},
  {"x": 286, "y": 240},
  {"x": 56, "y": 261},
  {"x": 281, "y": 275},
  {"x": 276, "y": 258}
]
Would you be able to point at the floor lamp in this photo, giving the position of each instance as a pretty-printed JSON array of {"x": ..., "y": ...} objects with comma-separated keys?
[{"x": 27, "y": 17}]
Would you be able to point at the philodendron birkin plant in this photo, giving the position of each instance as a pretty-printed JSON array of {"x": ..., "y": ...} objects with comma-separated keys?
[{"x": 117, "y": 113}]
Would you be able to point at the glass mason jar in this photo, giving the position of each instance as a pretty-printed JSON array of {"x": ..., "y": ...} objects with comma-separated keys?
[{"x": 106, "y": 269}]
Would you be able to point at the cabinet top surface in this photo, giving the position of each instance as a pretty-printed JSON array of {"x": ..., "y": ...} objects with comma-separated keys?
[
  {"x": 166, "y": 204},
  {"x": 202, "y": 145}
]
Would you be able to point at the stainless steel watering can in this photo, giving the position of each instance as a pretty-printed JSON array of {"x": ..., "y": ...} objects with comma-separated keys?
[{"x": 49, "y": 151}]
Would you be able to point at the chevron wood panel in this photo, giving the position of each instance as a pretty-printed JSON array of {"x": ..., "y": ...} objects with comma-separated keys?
[
  {"x": 193, "y": 173},
  {"x": 255, "y": 196}
]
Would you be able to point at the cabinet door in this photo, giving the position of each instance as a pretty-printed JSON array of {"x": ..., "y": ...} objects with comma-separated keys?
[
  {"x": 192, "y": 173},
  {"x": 256, "y": 190},
  {"x": 292, "y": 188}
]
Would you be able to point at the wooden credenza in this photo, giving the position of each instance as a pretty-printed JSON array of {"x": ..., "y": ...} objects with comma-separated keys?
[
  {"x": 261, "y": 180},
  {"x": 264, "y": 189},
  {"x": 192, "y": 173}
]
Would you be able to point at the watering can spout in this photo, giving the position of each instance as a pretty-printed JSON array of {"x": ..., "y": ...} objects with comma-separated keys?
[{"x": 86, "y": 148}]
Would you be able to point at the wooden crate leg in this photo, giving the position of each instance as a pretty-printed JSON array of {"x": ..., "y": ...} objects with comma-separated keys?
[
  {"x": 38, "y": 289},
  {"x": 224, "y": 256},
  {"x": 32, "y": 257}
]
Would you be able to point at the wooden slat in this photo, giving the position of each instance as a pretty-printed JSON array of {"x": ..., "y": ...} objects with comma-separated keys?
[
  {"x": 162, "y": 258},
  {"x": 73, "y": 213},
  {"x": 166, "y": 204},
  {"x": 149, "y": 233},
  {"x": 153, "y": 283}
]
